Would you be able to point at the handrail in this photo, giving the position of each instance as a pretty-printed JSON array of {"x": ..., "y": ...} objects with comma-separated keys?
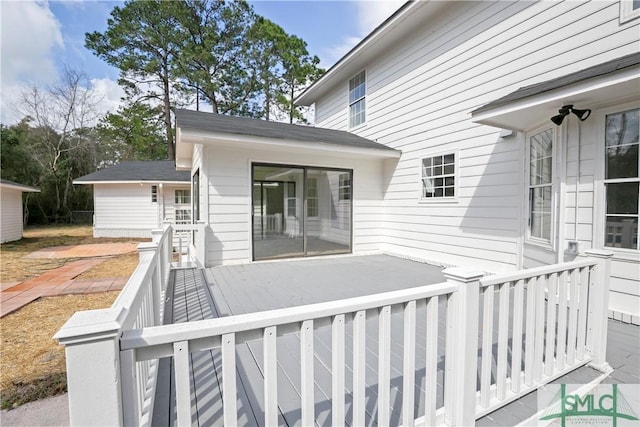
[
  {"x": 138, "y": 338},
  {"x": 534, "y": 272}
]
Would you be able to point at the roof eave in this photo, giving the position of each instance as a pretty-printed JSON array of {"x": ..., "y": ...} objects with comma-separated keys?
[
  {"x": 236, "y": 140},
  {"x": 132, "y": 181},
  {"x": 597, "y": 92},
  {"x": 369, "y": 45}
]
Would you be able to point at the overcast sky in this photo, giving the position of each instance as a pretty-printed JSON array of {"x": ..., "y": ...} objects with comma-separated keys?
[{"x": 38, "y": 38}]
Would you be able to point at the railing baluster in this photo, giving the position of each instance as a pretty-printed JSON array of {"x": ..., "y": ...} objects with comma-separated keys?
[
  {"x": 582, "y": 310},
  {"x": 307, "y": 380},
  {"x": 449, "y": 365},
  {"x": 384, "y": 364},
  {"x": 270, "y": 377},
  {"x": 503, "y": 340},
  {"x": 516, "y": 340},
  {"x": 573, "y": 315},
  {"x": 539, "y": 338},
  {"x": 359, "y": 359},
  {"x": 530, "y": 328},
  {"x": 431, "y": 365},
  {"x": 487, "y": 346},
  {"x": 229, "y": 393},
  {"x": 337, "y": 370},
  {"x": 181, "y": 358},
  {"x": 409, "y": 364},
  {"x": 561, "y": 352},
  {"x": 551, "y": 324}
]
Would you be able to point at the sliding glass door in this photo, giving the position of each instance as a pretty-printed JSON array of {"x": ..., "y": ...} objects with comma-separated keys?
[{"x": 300, "y": 211}]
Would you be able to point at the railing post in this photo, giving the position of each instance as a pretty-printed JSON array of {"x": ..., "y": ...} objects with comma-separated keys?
[
  {"x": 156, "y": 237},
  {"x": 465, "y": 360},
  {"x": 201, "y": 239},
  {"x": 599, "y": 289},
  {"x": 148, "y": 250},
  {"x": 92, "y": 348}
]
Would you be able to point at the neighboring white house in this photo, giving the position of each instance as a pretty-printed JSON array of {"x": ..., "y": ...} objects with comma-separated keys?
[
  {"x": 435, "y": 141},
  {"x": 11, "y": 211},
  {"x": 132, "y": 198}
]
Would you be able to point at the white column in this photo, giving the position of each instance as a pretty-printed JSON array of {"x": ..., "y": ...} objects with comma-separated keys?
[
  {"x": 466, "y": 345},
  {"x": 201, "y": 243},
  {"x": 91, "y": 340},
  {"x": 599, "y": 288}
]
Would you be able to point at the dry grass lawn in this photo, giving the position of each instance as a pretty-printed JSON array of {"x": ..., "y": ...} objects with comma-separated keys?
[
  {"x": 14, "y": 267},
  {"x": 32, "y": 364}
]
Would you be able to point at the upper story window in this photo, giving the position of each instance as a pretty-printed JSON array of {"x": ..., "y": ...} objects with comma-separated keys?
[
  {"x": 541, "y": 185},
  {"x": 154, "y": 194},
  {"x": 629, "y": 9},
  {"x": 344, "y": 186},
  {"x": 357, "y": 89},
  {"x": 621, "y": 180},
  {"x": 182, "y": 197},
  {"x": 439, "y": 176}
]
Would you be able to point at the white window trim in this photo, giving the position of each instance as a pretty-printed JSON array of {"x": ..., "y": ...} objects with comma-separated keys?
[
  {"x": 627, "y": 13},
  {"x": 529, "y": 239},
  {"x": 600, "y": 203},
  {"x": 366, "y": 95},
  {"x": 456, "y": 175}
]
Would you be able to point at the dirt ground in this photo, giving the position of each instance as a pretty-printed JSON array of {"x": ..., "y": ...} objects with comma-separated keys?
[{"x": 32, "y": 364}]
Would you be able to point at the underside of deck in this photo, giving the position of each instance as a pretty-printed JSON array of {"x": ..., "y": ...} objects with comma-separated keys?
[{"x": 230, "y": 290}]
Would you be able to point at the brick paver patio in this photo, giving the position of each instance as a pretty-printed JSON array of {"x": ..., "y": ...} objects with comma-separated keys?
[{"x": 62, "y": 280}]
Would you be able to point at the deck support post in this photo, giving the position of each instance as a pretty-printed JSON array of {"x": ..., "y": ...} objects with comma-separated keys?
[
  {"x": 599, "y": 290},
  {"x": 92, "y": 349},
  {"x": 465, "y": 356}
]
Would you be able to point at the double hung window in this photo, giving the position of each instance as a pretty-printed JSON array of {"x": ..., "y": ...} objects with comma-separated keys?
[
  {"x": 621, "y": 179},
  {"x": 439, "y": 177},
  {"x": 541, "y": 185},
  {"x": 357, "y": 89}
]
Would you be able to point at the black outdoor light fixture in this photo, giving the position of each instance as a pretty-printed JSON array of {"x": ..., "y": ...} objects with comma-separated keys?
[{"x": 565, "y": 110}]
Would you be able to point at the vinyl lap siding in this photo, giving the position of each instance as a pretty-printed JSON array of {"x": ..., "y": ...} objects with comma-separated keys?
[
  {"x": 420, "y": 93},
  {"x": 11, "y": 215},
  {"x": 124, "y": 210}
]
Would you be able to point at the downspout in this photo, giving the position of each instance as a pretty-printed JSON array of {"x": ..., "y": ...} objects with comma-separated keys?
[{"x": 575, "y": 225}]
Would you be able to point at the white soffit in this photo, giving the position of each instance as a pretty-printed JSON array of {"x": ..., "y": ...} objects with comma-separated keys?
[{"x": 598, "y": 92}]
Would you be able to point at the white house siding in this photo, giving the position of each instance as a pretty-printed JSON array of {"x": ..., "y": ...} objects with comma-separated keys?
[
  {"x": 125, "y": 210},
  {"x": 418, "y": 98},
  {"x": 229, "y": 177},
  {"x": 10, "y": 214}
]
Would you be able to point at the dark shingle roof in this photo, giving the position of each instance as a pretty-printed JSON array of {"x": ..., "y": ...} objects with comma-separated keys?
[
  {"x": 197, "y": 120},
  {"x": 19, "y": 186},
  {"x": 549, "y": 85},
  {"x": 152, "y": 170}
]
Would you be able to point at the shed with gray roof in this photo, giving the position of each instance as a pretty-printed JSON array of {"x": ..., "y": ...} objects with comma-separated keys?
[{"x": 132, "y": 198}]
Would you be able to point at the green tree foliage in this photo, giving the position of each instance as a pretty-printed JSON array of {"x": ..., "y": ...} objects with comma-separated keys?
[
  {"x": 219, "y": 51},
  {"x": 214, "y": 58},
  {"x": 299, "y": 70},
  {"x": 140, "y": 41},
  {"x": 135, "y": 132}
]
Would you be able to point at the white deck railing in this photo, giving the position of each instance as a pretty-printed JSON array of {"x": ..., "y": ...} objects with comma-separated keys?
[
  {"x": 572, "y": 297},
  {"x": 92, "y": 341}
]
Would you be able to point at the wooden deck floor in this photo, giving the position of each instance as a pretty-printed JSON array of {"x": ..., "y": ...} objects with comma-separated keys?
[{"x": 230, "y": 290}]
